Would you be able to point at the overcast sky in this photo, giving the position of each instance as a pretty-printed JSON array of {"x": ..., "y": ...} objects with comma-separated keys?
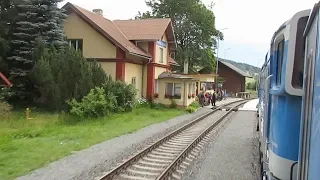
[{"x": 250, "y": 23}]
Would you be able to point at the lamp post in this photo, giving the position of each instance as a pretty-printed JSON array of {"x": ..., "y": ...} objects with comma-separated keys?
[{"x": 217, "y": 60}]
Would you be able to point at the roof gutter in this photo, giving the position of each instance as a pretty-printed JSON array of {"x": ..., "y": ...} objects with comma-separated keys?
[{"x": 135, "y": 54}]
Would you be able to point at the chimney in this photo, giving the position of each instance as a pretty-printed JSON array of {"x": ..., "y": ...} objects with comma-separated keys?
[
  {"x": 185, "y": 67},
  {"x": 98, "y": 11}
]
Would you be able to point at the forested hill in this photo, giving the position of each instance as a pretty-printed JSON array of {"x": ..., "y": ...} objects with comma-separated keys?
[{"x": 243, "y": 66}]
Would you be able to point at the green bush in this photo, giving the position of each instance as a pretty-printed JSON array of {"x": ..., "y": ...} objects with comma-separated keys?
[
  {"x": 125, "y": 94},
  {"x": 191, "y": 109},
  {"x": 195, "y": 104},
  {"x": 5, "y": 108},
  {"x": 95, "y": 104},
  {"x": 173, "y": 103}
]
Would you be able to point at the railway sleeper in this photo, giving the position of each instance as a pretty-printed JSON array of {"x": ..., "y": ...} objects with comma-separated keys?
[
  {"x": 143, "y": 162},
  {"x": 141, "y": 173},
  {"x": 147, "y": 168},
  {"x": 160, "y": 156},
  {"x": 168, "y": 149},
  {"x": 164, "y": 153},
  {"x": 128, "y": 177}
]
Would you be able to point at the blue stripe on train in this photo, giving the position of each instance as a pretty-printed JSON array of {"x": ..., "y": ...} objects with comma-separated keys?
[{"x": 285, "y": 126}]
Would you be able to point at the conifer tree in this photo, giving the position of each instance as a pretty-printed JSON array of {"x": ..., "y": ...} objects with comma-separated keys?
[{"x": 35, "y": 19}]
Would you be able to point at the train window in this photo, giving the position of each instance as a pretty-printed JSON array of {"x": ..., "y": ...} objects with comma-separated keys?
[
  {"x": 297, "y": 74},
  {"x": 280, "y": 50}
]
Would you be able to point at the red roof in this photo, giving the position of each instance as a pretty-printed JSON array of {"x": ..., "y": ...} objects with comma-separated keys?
[
  {"x": 120, "y": 32},
  {"x": 146, "y": 29},
  {"x": 106, "y": 28}
]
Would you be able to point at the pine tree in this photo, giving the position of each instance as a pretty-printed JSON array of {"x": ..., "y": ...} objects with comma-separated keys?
[
  {"x": 24, "y": 34},
  {"x": 35, "y": 19}
]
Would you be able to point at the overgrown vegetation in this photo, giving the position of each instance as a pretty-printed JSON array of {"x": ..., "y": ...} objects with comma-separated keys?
[
  {"x": 193, "y": 107},
  {"x": 23, "y": 144},
  {"x": 62, "y": 75}
]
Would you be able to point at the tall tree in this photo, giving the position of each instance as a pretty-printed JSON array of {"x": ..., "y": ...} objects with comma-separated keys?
[
  {"x": 194, "y": 25},
  {"x": 35, "y": 19},
  {"x": 6, "y": 17}
]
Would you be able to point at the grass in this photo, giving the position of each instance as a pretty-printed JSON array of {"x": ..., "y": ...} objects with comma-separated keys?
[{"x": 28, "y": 145}]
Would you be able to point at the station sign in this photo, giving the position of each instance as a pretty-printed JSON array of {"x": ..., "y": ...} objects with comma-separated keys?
[{"x": 162, "y": 44}]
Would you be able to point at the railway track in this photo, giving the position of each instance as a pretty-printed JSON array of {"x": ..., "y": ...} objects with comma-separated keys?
[{"x": 166, "y": 158}]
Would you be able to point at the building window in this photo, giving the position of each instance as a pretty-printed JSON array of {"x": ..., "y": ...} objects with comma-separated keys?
[
  {"x": 77, "y": 44},
  {"x": 173, "y": 90},
  {"x": 133, "y": 81},
  {"x": 280, "y": 49},
  {"x": 156, "y": 86},
  {"x": 192, "y": 88},
  {"x": 161, "y": 55}
]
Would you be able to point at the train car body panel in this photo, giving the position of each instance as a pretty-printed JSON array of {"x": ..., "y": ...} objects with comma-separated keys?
[
  {"x": 314, "y": 149},
  {"x": 309, "y": 156}
]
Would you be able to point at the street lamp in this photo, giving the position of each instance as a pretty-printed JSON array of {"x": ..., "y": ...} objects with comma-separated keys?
[
  {"x": 225, "y": 53},
  {"x": 217, "y": 60}
]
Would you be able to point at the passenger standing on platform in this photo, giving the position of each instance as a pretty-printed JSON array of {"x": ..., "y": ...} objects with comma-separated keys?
[
  {"x": 201, "y": 98},
  {"x": 213, "y": 99}
]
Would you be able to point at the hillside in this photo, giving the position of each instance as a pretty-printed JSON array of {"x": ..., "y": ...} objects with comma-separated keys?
[{"x": 243, "y": 66}]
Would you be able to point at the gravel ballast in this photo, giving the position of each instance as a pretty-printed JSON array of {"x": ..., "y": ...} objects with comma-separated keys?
[
  {"x": 230, "y": 155},
  {"x": 92, "y": 162}
]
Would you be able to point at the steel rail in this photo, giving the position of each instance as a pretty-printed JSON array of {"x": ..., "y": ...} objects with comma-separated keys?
[
  {"x": 166, "y": 173},
  {"x": 110, "y": 175}
]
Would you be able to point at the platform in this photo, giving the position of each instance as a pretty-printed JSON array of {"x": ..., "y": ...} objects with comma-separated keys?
[
  {"x": 250, "y": 106},
  {"x": 232, "y": 155}
]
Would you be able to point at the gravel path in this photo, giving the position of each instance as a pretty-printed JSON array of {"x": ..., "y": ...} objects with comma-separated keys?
[
  {"x": 232, "y": 153},
  {"x": 92, "y": 162}
]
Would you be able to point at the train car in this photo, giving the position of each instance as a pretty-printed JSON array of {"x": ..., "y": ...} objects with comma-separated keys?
[
  {"x": 309, "y": 154},
  {"x": 264, "y": 100},
  {"x": 282, "y": 99}
]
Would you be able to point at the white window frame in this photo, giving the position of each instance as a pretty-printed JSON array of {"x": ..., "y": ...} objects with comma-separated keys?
[
  {"x": 173, "y": 93},
  {"x": 161, "y": 51},
  {"x": 77, "y": 43},
  {"x": 134, "y": 81}
]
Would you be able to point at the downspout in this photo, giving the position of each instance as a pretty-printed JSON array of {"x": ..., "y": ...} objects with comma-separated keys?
[{"x": 184, "y": 93}]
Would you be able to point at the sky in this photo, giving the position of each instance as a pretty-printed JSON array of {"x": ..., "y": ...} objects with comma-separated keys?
[{"x": 250, "y": 23}]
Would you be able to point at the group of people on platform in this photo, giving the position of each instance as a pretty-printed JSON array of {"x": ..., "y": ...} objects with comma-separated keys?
[{"x": 211, "y": 97}]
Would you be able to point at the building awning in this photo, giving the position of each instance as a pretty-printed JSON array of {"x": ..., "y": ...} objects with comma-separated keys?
[{"x": 168, "y": 75}]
